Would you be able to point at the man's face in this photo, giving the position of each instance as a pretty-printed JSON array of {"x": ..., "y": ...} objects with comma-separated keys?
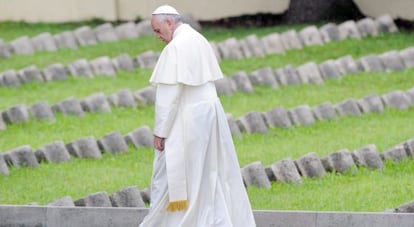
[{"x": 163, "y": 29}]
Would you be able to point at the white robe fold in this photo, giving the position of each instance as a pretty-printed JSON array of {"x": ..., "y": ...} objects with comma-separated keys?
[{"x": 199, "y": 162}]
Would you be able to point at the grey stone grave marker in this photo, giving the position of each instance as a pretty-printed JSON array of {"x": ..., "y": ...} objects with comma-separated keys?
[
  {"x": 105, "y": 33},
  {"x": 146, "y": 60},
  {"x": 99, "y": 199},
  {"x": 189, "y": 19},
  {"x": 324, "y": 111},
  {"x": 410, "y": 95},
  {"x": 44, "y": 42},
  {"x": 287, "y": 76},
  {"x": 29, "y": 74},
  {"x": 22, "y": 156},
  {"x": 255, "y": 175},
  {"x": 405, "y": 208},
  {"x": 340, "y": 161},
  {"x": 371, "y": 63},
  {"x": 62, "y": 202},
  {"x": 145, "y": 96},
  {"x": 272, "y": 44},
  {"x": 96, "y": 103},
  {"x": 113, "y": 143},
  {"x": 69, "y": 106},
  {"x": 329, "y": 70},
  {"x": 230, "y": 48},
  {"x": 386, "y": 24},
  {"x": 330, "y": 32},
  {"x": 4, "y": 49},
  {"x": 252, "y": 47},
  {"x": 146, "y": 195},
  {"x": 347, "y": 65},
  {"x": 409, "y": 147},
  {"x": 348, "y": 107},
  {"x": 263, "y": 76},
  {"x": 408, "y": 57},
  {"x": 10, "y": 79},
  {"x": 286, "y": 171},
  {"x": 397, "y": 100},
  {"x": 291, "y": 40},
  {"x": 85, "y": 36},
  {"x": 392, "y": 61},
  {"x": 55, "y": 72},
  {"x": 301, "y": 115},
  {"x": 127, "y": 197},
  {"x": 140, "y": 137},
  {"x": 144, "y": 28},
  {"x": 368, "y": 157},
  {"x": 349, "y": 29},
  {"x": 123, "y": 98},
  {"x": 42, "y": 111},
  {"x": 396, "y": 154},
  {"x": 66, "y": 39},
  {"x": 103, "y": 66},
  {"x": 310, "y": 166},
  {"x": 4, "y": 169},
  {"x": 215, "y": 50},
  {"x": 234, "y": 128},
  {"x": 225, "y": 86},
  {"x": 2, "y": 124},
  {"x": 311, "y": 36},
  {"x": 127, "y": 30},
  {"x": 80, "y": 67},
  {"x": 16, "y": 114},
  {"x": 252, "y": 122},
  {"x": 242, "y": 82},
  {"x": 310, "y": 73},
  {"x": 86, "y": 147},
  {"x": 277, "y": 117},
  {"x": 124, "y": 62},
  {"x": 55, "y": 152},
  {"x": 367, "y": 27},
  {"x": 371, "y": 104},
  {"x": 22, "y": 45}
]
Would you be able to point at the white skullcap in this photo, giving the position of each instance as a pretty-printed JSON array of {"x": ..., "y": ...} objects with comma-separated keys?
[{"x": 165, "y": 9}]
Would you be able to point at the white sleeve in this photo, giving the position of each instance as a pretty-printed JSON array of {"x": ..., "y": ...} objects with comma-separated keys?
[{"x": 166, "y": 108}]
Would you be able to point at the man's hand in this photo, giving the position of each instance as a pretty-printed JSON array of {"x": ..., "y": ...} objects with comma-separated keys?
[{"x": 159, "y": 143}]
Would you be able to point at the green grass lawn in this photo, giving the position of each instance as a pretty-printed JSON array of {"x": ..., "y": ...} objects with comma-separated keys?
[{"x": 364, "y": 190}]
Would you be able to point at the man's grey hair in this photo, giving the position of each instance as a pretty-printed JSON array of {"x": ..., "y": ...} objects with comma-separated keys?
[{"x": 174, "y": 17}]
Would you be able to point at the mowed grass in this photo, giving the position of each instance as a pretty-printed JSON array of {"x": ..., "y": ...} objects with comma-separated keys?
[{"x": 365, "y": 190}]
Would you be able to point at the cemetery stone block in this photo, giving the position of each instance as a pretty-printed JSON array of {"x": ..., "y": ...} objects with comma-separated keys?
[
  {"x": 254, "y": 46},
  {"x": 124, "y": 62},
  {"x": 63, "y": 202},
  {"x": 145, "y": 96},
  {"x": 230, "y": 48},
  {"x": 4, "y": 49},
  {"x": 310, "y": 73},
  {"x": 348, "y": 107},
  {"x": 86, "y": 147},
  {"x": 252, "y": 122},
  {"x": 44, "y": 42},
  {"x": 146, "y": 60},
  {"x": 123, "y": 98},
  {"x": 99, "y": 199},
  {"x": 392, "y": 61},
  {"x": 371, "y": 104},
  {"x": 96, "y": 103},
  {"x": 368, "y": 157},
  {"x": 242, "y": 82},
  {"x": 408, "y": 57},
  {"x": 85, "y": 36},
  {"x": 371, "y": 63},
  {"x": 311, "y": 36},
  {"x": 29, "y": 74},
  {"x": 396, "y": 154},
  {"x": 16, "y": 114},
  {"x": 69, "y": 106},
  {"x": 349, "y": 29},
  {"x": 224, "y": 86},
  {"x": 277, "y": 117},
  {"x": 286, "y": 171},
  {"x": 340, "y": 161},
  {"x": 10, "y": 79},
  {"x": 272, "y": 44},
  {"x": 22, "y": 156},
  {"x": 113, "y": 143},
  {"x": 324, "y": 111},
  {"x": 105, "y": 33},
  {"x": 234, "y": 128},
  {"x": 144, "y": 28},
  {"x": 140, "y": 137},
  {"x": 103, "y": 66},
  {"x": 80, "y": 67},
  {"x": 397, "y": 100},
  {"x": 330, "y": 32},
  {"x": 347, "y": 65},
  {"x": 127, "y": 30},
  {"x": 55, "y": 152},
  {"x": 310, "y": 166},
  {"x": 4, "y": 169},
  {"x": 386, "y": 24},
  {"x": 66, "y": 39},
  {"x": 255, "y": 175},
  {"x": 42, "y": 111},
  {"x": 287, "y": 76},
  {"x": 55, "y": 72},
  {"x": 329, "y": 70},
  {"x": 367, "y": 27},
  {"x": 291, "y": 40},
  {"x": 263, "y": 76},
  {"x": 22, "y": 45},
  {"x": 301, "y": 115},
  {"x": 409, "y": 147},
  {"x": 127, "y": 197}
]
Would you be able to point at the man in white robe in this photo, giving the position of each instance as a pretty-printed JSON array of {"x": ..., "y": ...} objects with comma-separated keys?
[{"x": 196, "y": 178}]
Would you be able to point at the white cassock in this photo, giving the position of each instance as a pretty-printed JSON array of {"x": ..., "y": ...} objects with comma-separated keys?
[{"x": 199, "y": 165}]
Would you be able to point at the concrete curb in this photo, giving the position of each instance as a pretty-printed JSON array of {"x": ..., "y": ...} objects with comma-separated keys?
[{"x": 47, "y": 216}]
